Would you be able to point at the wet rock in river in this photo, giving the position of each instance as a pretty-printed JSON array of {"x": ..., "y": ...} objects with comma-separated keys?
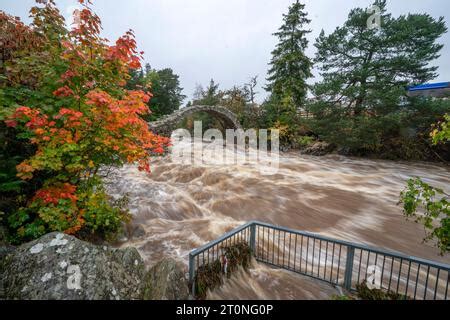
[{"x": 319, "y": 148}]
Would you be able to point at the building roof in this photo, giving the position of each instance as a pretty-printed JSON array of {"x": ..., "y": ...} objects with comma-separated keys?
[
  {"x": 440, "y": 89},
  {"x": 428, "y": 86}
]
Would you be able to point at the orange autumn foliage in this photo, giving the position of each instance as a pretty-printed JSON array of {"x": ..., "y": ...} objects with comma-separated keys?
[{"x": 93, "y": 122}]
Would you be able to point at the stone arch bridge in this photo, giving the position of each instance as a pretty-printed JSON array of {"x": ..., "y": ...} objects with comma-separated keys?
[{"x": 169, "y": 123}]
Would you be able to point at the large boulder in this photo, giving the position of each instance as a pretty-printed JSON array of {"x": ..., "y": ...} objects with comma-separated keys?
[
  {"x": 319, "y": 148},
  {"x": 166, "y": 281},
  {"x": 58, "y": 266}
]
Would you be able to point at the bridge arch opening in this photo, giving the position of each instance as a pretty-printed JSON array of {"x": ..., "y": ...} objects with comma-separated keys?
[{"x": 166, "y": 125}]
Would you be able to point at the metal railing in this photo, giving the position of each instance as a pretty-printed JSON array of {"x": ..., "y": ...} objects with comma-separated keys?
[{"x": 337, "y": 262}]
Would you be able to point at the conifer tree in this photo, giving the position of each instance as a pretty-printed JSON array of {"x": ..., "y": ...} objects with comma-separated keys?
[{"x": 290, "y": 67}]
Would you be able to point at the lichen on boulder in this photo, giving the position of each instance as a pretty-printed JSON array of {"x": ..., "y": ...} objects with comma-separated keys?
[
  {"x": 61, "y": 267},
  {"x": 166, "y": 281},
  {"x": 58, "y": 266}
]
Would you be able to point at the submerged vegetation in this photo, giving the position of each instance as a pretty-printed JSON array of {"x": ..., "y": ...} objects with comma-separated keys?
[
  {"x": 210, "y": 276},
  {"x": 365, "y": 293}
]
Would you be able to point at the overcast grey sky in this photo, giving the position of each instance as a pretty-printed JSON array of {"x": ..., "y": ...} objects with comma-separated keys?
[{"x": 228, "y": 40}]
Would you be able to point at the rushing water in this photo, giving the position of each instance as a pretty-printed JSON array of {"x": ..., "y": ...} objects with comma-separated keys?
[{"x": 178, "y": 207}]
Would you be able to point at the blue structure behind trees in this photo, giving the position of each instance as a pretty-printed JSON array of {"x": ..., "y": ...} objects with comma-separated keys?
[{"x": 438, "y": 90}]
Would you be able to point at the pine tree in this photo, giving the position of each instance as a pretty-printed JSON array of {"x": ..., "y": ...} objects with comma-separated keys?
[{"x": 290, "y": 67}]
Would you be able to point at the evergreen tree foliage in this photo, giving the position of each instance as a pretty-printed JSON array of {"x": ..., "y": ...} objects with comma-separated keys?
[{"x": 362, "y": 104}]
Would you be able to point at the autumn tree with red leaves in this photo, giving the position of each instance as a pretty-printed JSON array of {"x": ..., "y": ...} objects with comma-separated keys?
[{"x": 63, "y": 96}]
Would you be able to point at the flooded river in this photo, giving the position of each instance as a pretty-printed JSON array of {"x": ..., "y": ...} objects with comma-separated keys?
[{"x": 178, "y": 207}]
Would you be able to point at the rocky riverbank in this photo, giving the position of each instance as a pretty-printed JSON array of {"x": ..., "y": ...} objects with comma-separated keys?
[
  {"x": 318, "y": 148},
  {"x": 58, "y": 266}
]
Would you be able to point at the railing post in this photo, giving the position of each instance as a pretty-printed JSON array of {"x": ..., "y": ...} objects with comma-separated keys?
[
  {"x": 192, "y": 273},
  {"x": 253, "y": 238},
  {"x": 349, "y": 268}
]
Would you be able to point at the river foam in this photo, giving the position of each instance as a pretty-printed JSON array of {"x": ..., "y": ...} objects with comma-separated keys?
[{"x": 181, "y": 207}]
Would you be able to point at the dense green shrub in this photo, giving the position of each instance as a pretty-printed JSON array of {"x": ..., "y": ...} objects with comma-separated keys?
[{"x": 429, "y": 205}]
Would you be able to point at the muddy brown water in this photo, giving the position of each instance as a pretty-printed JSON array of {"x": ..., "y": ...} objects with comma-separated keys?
[{"x": 181, "y": 207}]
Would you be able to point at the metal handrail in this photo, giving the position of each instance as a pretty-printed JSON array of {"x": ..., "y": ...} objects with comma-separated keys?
[
  {"x": 221, "y": 239},
  {"x": 385, "y": 252},
  {"x": 343, "y": 253}
]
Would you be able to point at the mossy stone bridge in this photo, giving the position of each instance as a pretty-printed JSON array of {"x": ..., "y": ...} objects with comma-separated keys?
[{"x": 166, "y": 125}]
